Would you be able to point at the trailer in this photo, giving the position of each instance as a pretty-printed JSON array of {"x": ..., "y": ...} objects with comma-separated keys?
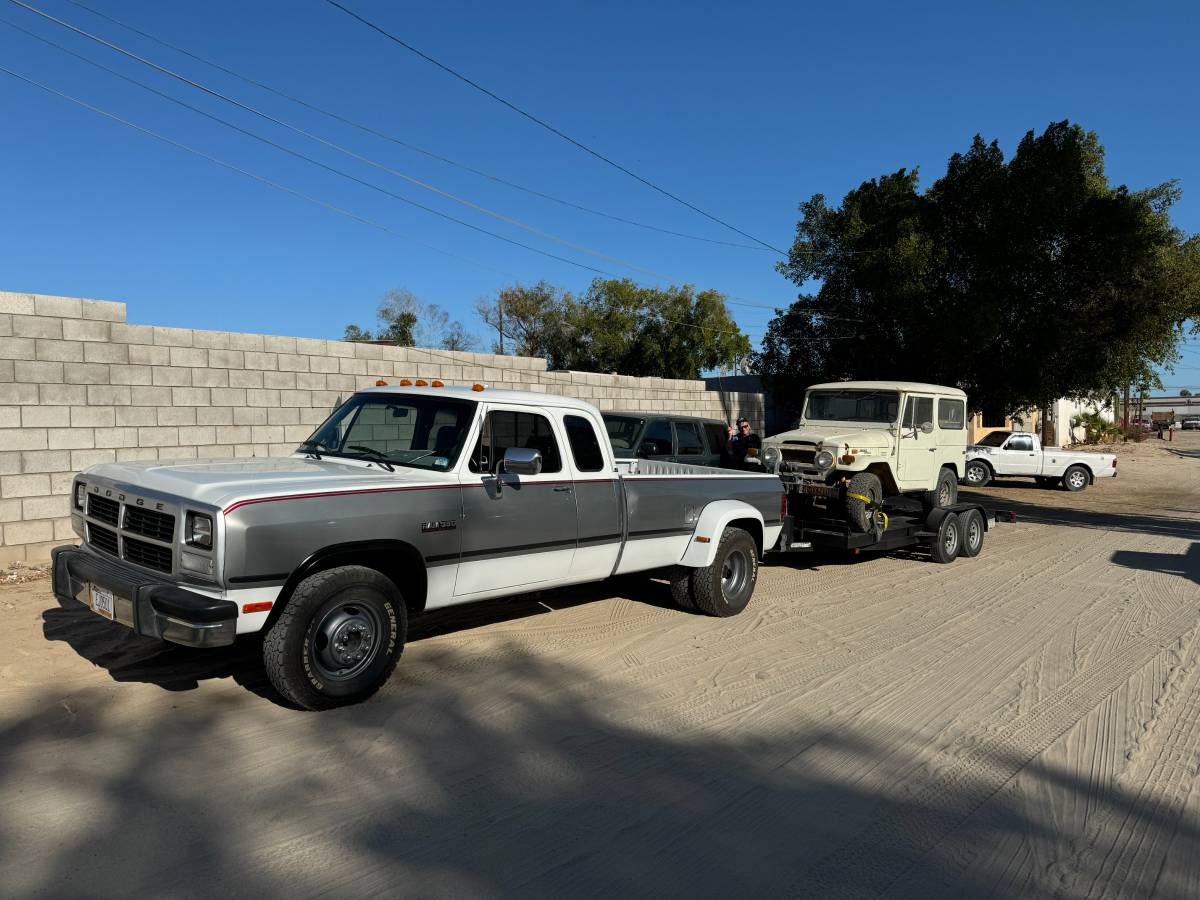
[{"x": 947, "y": 532}]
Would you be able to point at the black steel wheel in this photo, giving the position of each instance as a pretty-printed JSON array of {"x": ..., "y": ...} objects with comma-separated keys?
[
  {"x": 724, "y": 587},
  {"x": 973, "y": 531},
  {"x": 948, "y": 542}
]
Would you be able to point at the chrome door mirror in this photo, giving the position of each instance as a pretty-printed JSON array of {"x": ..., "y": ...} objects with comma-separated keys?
[{"x": 522, "y": 461}]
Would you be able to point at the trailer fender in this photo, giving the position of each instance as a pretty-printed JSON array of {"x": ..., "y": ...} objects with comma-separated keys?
[{"x": 714, "y": 518}]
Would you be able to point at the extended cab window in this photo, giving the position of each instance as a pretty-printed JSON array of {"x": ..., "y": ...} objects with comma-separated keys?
[
  {"x": 422, "y": 431},
  {"x": 952, "y": 414},
  {"x": 688, "y": 436},
  {"x": 508, "y": 428},
  {"x": 917, "y": 412},
  {"x": 585, "y": 448}
]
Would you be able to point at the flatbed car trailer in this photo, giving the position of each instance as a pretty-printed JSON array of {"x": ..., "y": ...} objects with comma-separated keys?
[{"x": 947, "y": 532}]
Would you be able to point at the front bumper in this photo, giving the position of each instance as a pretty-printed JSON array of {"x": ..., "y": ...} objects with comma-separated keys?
[{"x": 155, "y": 608}]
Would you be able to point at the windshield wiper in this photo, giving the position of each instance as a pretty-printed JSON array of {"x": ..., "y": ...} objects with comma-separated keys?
[
  {"x": 374, "y": 455},
  {"x": 313, "y": 448}
]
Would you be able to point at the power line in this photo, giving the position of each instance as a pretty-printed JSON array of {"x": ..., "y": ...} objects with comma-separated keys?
[
  {"x": 400, "y": 142},
  {"x": 548, "y": 126}
]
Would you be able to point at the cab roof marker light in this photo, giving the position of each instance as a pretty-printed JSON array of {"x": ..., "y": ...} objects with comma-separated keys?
[
  {"x": 421, "y": 382},
  {"x": 436, "y": 383},
  {"x": 477, "y": 387},
  {"x": 379, "y": 382},
  {"x": 405, "y": 382}
]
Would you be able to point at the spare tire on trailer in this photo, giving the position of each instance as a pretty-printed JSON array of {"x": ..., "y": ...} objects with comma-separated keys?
[{"x": 864, "y": 484}]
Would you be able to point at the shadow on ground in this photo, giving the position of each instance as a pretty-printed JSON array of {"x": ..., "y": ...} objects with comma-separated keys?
[
  {"x": 1184, "y": 565},
  {"x": 520, "y": 784},
  {"x": 1105, "y": 520}
]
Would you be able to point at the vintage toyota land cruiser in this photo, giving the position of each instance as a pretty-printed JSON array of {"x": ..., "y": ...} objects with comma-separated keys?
[
  {"x": 861, "y": 442},
  {"x": 406, "y": 499}
]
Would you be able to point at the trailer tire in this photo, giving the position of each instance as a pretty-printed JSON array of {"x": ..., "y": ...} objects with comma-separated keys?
[
  {"x": 338, "y": 639},
  {"x": 946, "y": 492},
  {"x": 978, "y": 474},
  {"x": 1076, "y": 478},
  {"x": 948, "y": 541},
  {"x": 973, "y": 530},
  {"x": 866, "y": 484},
  {"x": 681, "y": 587},
  {"x": 724, "y": 587}
]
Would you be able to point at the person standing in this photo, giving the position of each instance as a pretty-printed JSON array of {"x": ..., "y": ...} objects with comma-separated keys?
[{"x": 741, "y": 442}]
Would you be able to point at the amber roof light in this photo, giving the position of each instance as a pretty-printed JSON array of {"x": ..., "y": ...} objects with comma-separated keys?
[
  {"x": 477, "y": 387},
  {"x": 379, "y": 382}
]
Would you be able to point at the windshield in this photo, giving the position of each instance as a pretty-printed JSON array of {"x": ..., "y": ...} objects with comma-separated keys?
[
  {"x": 852, "y": 406},
  {"x": 995, "y": 439},
  {"x": 622, "y": 430},
  {"x": 425, "y": 432}
]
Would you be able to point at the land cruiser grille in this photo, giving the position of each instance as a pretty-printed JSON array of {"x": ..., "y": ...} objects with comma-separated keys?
[
  {"x": 149, "y": 555},
  {"x": 804, "y": 454},
  {"x": 102, "y": 538},
  {"x": 104, "y": 509},
  {"x": 159, "y": 526}
]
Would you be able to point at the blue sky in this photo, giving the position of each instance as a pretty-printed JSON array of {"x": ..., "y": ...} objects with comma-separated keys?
[{"x": 744, "y": 110}]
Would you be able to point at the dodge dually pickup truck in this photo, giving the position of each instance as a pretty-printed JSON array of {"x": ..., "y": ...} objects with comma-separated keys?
[
  {"x": 406, "y": 499},
  {"x": 1008, "y": 454}
]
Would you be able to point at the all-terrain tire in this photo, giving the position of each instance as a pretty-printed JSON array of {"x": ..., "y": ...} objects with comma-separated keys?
[
  {"x": 338, "y": 638},
  {"x": 946, "y": 492},
  {"x": 724, "y": 587},
  {"x": 1076, "y": 478},
  {"x": 977, "y": 474},
  {"x": 681, "y": 587},
  {"x": 866, "y": 484},
  {"x": 973, "y": 531},
  {"x": 948, "y": 542}
]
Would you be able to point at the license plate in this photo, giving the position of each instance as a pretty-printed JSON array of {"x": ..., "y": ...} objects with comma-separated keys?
[{"x": 102, "y": 601}]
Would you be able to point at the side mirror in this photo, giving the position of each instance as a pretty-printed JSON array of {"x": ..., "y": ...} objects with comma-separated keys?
[
  {"x": 522, "y": 461},
  {"x": 927, "y": 428}
]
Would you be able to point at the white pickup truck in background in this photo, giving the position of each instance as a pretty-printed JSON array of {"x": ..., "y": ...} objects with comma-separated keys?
[{"x": 1019, "y": 454}]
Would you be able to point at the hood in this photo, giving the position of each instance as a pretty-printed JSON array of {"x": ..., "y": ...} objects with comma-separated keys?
[
  {"x": 219, "y": 482},
  {"x": 836, "y": 436}
]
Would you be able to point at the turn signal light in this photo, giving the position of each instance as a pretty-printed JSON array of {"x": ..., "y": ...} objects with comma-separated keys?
[
  {"x": 256, "y": 607},
  {"x": 405, "y": 382},
  {"x": 379, "y": 382},
  {"x": 847, "y": 459},
  {"x": 421, "y": 382},
  {"x": 437, "y": 383},
  {"x": 477, "y": 387}
]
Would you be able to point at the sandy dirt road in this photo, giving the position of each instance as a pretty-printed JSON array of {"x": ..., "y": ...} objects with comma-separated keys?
[{"x": 1026, "y": 723}]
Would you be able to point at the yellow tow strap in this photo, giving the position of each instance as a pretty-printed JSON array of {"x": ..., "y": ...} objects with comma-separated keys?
[
  {"x": 879, "y": 513},
  {"x": 863, "y": 497}
]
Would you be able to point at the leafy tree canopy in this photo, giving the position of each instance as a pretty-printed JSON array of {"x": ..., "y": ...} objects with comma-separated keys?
[
  {"x": 1020, "y": 281},
  {"x": 405, "y": 321}
]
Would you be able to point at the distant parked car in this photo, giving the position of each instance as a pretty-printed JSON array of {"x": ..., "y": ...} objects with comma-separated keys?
[
  {"x": 1007, "y": 454},
  {"x": 685, "y": 439},
  {"x": 1191, "y": 424}
]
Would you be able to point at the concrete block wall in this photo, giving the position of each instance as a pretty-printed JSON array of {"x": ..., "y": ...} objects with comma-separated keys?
[{"x": 79, "y": 385}]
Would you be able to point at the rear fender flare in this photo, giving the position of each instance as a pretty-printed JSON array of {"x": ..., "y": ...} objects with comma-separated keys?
[{"x": 714, "y": 518}]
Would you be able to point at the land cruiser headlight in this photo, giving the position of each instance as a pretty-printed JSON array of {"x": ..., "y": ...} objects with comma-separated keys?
[
  {"x": 824, "y": 459},
  {"x": 199, "y": 532},
  {"x": 770, "y": 458},
  {"x": 80, "y": 494}
]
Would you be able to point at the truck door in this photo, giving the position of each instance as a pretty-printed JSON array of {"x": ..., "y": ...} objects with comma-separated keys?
[
  {"x": 1019, "y": 457},
  {"x": 918, "y": 456},
  {"x": 517, "y": 529},
  {"x": 597, "y": 500}
]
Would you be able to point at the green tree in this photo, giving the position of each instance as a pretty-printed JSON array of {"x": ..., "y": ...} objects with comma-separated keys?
[
  {"x": 1020, "y": 281},
  {"x": 1184, "y": 392},
  {"x": 354, "y": 333}
]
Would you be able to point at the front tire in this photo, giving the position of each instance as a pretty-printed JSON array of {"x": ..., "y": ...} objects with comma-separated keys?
[
  {"x": 338, "y": 639},
  {"x": 865, "y": 484},
  {"x": 724, "y": 587},
  {"x": 978, "y": 474},
  {"x": 1075, "y": 479}
]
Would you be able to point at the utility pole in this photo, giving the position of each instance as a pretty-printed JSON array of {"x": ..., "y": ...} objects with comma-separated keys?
[
  {"x": 1125, "y": 408},
  {"x": 500, "y": 319}
]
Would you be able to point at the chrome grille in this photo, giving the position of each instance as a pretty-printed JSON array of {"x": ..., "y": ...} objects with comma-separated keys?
[
  {"x": 147, "y": 522},
  {"x": 146, "y": 554},
  {"x": 102, "y": 538},
  {"x": 804, "y": 455},
  {"x": 104, "y": 509}
]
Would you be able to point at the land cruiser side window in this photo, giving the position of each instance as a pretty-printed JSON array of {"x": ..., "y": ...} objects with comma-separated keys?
[
  {"x": 657, "y": 439},
  {"x": 688, "y": 436},
  {"x": 585, "y": 448},
  {"x": 951, "y": 414},
  {"x": 503, "y": 429},
  {"x": 1020, "y": 442},
  {"x": 917, "y": 412}
]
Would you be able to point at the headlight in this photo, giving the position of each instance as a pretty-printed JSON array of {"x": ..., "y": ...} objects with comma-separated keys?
[
  {"x": 80, "y": 494},
  {"x": 824, "y": 460},
  {"x": 199, "y": 531},
  {"x": 770, "y": 458}
]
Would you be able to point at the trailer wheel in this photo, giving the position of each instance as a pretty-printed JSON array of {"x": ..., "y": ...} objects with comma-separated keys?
[
  {"x": 338, "y": 639},
  {"x": 681, "y": 587},
  {"x": 978, "y": 474},
  {"x": 1075, "y": 479},
  {"x": 948, "y": 541},
  {"x": 971, "y": 523},
  {"x": 724, "y": 587},
  {"x": 865, "y": 484}
]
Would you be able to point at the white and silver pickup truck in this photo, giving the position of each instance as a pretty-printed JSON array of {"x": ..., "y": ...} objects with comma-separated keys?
[
  {"x": 407, "y": 498},
  {"x": 1020, "y": 454}
]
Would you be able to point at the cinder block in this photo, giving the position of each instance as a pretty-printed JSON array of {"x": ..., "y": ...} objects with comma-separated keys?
[
  {"x": 353, "y": 366},
  {"x": 45, "y": 507},
  {"x": 246, "y": 378},
  {"x": 171, "y": 376},
  {"x": 45, "y": 461},
  {"x": 312, "y": 346},
  {"x": 17, "y": 348},
  {"x": 276, "y": 344},
  {"x": 71, "y": 438},
  {"x": 36, "y": 327},
  {"x": 81, "y": 459},
  {"x": 198, "y": 434},
  {"x": 339, "y": 382},
  {"x": 176, "y": 415},
  {"x": 192, "y": 396},
  {"x": 42, "y": 416},
  {"x": 23, "y": 439},
  {"x": 104, "y": 310},
  {"x": 120, "y": 333},
  {"x": 110, "y": 395},
  {"x": 158, "y": 437},
  {"x": 178, "y": 453},
  {"x": 326, "y": 364},
  {"x": 95, "y": 352},
  {"x": 211, "y": 340},
  {"x": 210, "y": 377},
  {"x": 86, "y": 373},
  {"x": 60, "y": 482},
  {"x": 151, "y": 396},
  {"x": 264, "y": 398},
  {"x": 189, "y": 356},
  {"x": 18, "y": 304},
  {"x": 121, "y": 374},
  {"x": 10, "y": 417},
  {"x": 294, "y": 398},
  {"x": 294, "y": 434},
  {"x": 10, "y": 510},
  {"x": 266, "y": 434},
  {"x": 215, "y": 451},
  {"x": 228, "y": 397},
  {"x": 239, "y": 341},
  {"x": 226, "y": 359},
  {"x": 283, "y": 416},
  {"x": 63, "y": 531},
  {"x": 6, "y": 370},
  {"x": 256, "y": 360},
  {"x": 24, "y": 485},
  {"x": 249, "y": 415},
  {"x": 292, "y": 363},
  {"x": 144, "y": 355},
  {"x": 28, "y": 532},
  {"x": 120, "y": 436},
  {"x": 279, "y": 380},
  {"x": 325, "y": 400},
  {"x": 232, "y": 434},
  {"x": 284, "y": 449},
  {"x": 85, "y": 330},
  {"x": 63, "y": 307},
  {"x": 172, "y": 337},
  {"x": 214, "y": 415}
]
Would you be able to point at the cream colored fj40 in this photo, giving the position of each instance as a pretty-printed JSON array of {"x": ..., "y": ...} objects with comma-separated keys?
[{"x": 859, "y": 443}]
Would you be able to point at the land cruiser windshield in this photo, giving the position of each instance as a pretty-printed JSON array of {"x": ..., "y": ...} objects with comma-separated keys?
[
  {"x": 852, "y": 406},
  {"x": 422, "y": 431}
]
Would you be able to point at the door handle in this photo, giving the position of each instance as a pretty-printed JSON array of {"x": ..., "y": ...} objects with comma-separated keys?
[
  {"x": 565, "y": 489},
  {"x": 933, "y": 449}
]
